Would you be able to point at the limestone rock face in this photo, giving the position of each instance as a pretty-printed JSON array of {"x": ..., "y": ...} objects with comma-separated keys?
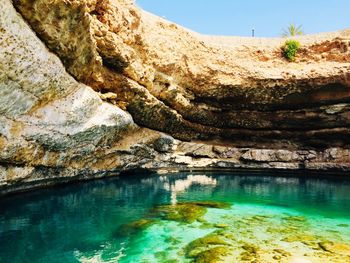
[
  {"x": 199, "y": 87},
  {"x": 47, "y": 119},
  {"x": 87, "y": 87}
]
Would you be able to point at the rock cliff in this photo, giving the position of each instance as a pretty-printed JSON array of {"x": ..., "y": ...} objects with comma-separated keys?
[{"x": 87, "y": 88}]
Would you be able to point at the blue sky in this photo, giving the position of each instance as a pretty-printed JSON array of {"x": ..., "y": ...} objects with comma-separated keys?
[{"x": 238, "y": 17}]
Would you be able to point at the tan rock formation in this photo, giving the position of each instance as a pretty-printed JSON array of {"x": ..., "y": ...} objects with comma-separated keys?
[
  {"x": 47, "y": 119},
  {"x": 194, "y": 86},
  {"x": 230, "y": 92}
]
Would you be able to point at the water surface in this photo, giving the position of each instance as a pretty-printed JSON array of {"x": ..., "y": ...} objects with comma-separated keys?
[{"x": 131, "y": 219}]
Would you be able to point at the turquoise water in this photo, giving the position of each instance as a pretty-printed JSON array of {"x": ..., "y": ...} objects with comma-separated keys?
[{"x": 283, "y": 219}]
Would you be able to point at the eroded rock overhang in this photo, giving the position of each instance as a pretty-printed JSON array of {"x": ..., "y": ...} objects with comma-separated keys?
[{"x": 200, "y": 87}]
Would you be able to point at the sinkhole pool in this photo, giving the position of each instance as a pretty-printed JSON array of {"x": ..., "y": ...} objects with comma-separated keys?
[{"x": 182, "y": 217}]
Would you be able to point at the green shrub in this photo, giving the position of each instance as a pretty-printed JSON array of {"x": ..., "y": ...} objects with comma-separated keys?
[{"x": 290, "y": 49}]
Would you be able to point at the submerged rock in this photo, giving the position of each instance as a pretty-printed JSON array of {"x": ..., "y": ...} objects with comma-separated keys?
[
  {"x": 209, "y": 204},
  {"x": 304, "y": 238},
  {"x": 204, "y": 242},
  {"x": 250, "y": 252},
  {"x": 295, "y": 219},
  {"x": 221, "y": 225},
  {"x": 134, "y": 227},
  {"x": 282, "y": 252},
  {"x": 337, "y": 248},
  {"x": 212, "y": 255},
  {"x": 186, "y": 212},
  {"x": 210, "y": 248}
]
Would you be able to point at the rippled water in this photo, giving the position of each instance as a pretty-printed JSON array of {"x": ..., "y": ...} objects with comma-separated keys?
[{"x": 266, "y": 219}]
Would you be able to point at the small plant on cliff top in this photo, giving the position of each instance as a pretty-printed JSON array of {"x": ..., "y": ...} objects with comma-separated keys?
[{"x": 290, "y": 49}]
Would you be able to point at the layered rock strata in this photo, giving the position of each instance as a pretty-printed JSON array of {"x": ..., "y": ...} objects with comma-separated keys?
[
  {"x": 195, "y": 87},
  {"x": 249, "y": 107}
]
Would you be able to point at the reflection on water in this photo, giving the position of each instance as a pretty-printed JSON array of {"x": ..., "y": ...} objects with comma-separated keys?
[
  {"x": 79, "y": 222},
  {"x": 181, "y": 185}
]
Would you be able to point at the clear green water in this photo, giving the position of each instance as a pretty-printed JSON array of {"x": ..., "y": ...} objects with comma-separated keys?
[{"x": 88, "y": 222}]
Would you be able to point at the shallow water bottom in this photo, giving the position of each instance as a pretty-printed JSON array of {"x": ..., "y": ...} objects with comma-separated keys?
[
  {"x": 245, "y": 232},
  {"x": 185, "y": 217}
]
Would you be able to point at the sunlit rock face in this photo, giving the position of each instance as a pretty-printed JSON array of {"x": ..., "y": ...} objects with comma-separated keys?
[
  {"x": 251, "y": 108},
  {"x": 201, "y": 87},
  {"x": 47, "y": 119}
]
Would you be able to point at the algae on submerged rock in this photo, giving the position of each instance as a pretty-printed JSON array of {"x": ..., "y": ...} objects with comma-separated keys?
[
  {"x": 134, "y": 227},
  {"x": 210, "y": 248},
  {"x": 210, "y": 204},
  {"x": 204, "y": 242},
  {"x": 212, "y": 255},
  {"x": 187, "y": 212},
  {"x": 337, "y": 248}
]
